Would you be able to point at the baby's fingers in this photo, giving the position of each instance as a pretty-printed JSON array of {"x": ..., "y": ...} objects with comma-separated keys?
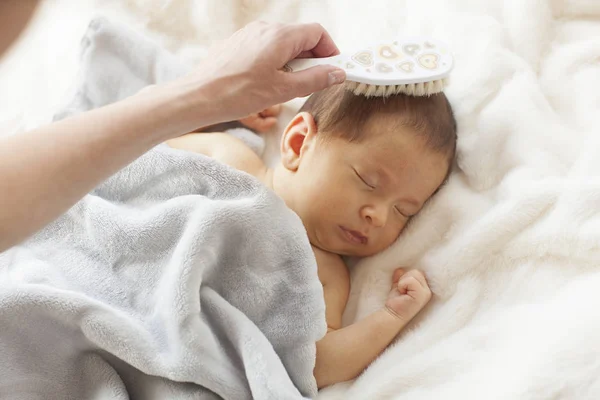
[
  {"x": 418, "y": 275},
  {"x": 397, "y": 275},
  {"x": 415, "y": 286},
  {"x": 409, "y": 284},
  {"x": 259, "y": 123},
  {"x": 271, "y": 111},
  {"x": 264, "y": 124}
]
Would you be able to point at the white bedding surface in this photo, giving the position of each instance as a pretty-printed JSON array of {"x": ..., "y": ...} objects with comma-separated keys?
[{"x": 511, "y": 246}]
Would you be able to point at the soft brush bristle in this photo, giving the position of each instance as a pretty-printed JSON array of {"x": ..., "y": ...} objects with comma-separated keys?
[{"x": 413, "y": 89}]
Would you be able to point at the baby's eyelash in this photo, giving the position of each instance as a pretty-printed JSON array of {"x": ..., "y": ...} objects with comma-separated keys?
[
  {"x": 401, "y": 213},
  {"x": 362, "y": 179}
]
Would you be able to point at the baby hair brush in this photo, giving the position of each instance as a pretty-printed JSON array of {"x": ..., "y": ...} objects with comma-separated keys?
[{"x": 415, "y": 66}]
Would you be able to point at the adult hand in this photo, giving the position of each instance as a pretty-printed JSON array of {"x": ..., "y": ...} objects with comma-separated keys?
[{"x": 244, "y": 73}]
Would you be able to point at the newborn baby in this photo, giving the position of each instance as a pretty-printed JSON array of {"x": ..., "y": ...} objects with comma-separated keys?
[{"x": 355, "y": 170}]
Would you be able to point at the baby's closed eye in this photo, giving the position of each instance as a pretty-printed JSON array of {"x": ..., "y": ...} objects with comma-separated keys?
[
  {"x": 402, "y": 213},
  {"x": 364, "y": 180}
]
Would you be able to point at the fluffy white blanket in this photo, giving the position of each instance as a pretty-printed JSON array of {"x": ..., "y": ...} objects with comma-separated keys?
[{"x": 511, "y": 246}]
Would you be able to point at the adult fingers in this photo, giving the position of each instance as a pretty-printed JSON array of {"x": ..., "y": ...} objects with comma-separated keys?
[
  {"x": 313, "y": 79},
  {"x": 311, "y": 40}
]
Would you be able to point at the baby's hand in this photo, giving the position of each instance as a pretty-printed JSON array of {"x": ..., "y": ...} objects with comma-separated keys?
[
  {"x": 262, "y": 121},
  {"x": 409, "y": 294}
]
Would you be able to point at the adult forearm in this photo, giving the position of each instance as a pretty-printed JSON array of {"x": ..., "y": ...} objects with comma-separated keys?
[
  {"x": 343, "y": 354},
  {"x": 46, "y": 171}
]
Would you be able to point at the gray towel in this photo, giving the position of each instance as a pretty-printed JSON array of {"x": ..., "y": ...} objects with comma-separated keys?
[{"x": 178, "y": 278}]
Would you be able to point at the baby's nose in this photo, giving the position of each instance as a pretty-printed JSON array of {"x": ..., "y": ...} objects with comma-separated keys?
[{"x": 375, "y": 215}]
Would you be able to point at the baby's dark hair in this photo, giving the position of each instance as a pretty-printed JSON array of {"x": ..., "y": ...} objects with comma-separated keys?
[{"x": 340, "y": 113}]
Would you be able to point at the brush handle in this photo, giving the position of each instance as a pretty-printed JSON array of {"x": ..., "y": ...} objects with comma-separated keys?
[{"x": 412, "y": 60}]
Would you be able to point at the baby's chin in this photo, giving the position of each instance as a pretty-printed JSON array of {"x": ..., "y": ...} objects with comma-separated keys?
[
  {"x": 358, "y": 251},
  {"x": 363, "y": 252}
]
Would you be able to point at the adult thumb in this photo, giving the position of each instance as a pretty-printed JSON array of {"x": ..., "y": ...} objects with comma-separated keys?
[{"x": 316, "y": 78}]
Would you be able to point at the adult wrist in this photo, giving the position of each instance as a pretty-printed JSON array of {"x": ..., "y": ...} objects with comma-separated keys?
[{"x": 174, "y": 109}]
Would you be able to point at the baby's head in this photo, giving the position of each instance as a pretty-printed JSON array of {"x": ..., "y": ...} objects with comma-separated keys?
[{"x": 356, "y": 169}]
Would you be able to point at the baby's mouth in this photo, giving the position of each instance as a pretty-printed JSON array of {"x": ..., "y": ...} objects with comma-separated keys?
[{"x": 354, "y": 236}]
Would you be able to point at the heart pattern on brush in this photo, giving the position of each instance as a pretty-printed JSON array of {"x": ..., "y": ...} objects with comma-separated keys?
[
  {"x": 364, "y": 58},
  {"x": 382, "y": 67},
  {"x": 407, "y": 66},
  {"x": 387, "y": 52},
  {"x": 429, "y": 61},
  {"x": 411, "y": 49}
]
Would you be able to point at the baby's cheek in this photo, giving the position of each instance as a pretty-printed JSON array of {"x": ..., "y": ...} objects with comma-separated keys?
[
  {"x": 401, "y": 228},
  {"x": 394, "y": 233}
]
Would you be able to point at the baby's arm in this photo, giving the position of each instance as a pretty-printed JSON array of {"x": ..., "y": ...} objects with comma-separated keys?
[{"x": 345, "y": 352}]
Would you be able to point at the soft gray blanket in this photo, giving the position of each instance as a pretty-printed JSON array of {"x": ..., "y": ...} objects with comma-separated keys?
[{"x": 178, "y": 278}]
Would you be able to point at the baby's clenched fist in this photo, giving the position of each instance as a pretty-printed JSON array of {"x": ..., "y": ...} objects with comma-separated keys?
[{"x": 409, "y": 294}]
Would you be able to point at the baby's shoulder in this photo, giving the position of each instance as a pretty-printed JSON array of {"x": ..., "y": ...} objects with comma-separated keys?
[
  {"x": 225, "y": 148},
  {"x": 330, "y": 266}
]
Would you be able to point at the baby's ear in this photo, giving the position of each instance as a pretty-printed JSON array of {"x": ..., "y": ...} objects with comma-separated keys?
[{"x": 296, "y": 138}]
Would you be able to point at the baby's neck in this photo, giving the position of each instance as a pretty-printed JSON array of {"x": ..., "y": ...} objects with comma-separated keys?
[
  {"x": 277, "y": 180},
  {"x": 267, "y": 178}
]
